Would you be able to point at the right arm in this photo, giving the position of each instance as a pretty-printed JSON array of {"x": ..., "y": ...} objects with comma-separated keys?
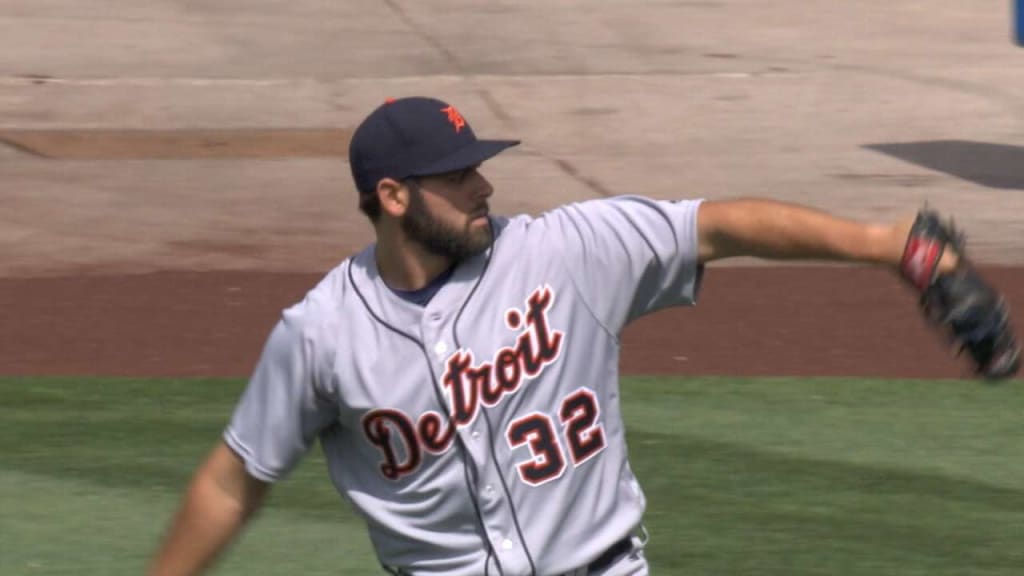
[
  {"x": 220, "y": 499},
  {"x": 275, "y": 422}
]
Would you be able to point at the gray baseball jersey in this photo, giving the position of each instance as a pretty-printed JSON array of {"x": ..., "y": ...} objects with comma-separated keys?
[{"x": 482, "y": 432}]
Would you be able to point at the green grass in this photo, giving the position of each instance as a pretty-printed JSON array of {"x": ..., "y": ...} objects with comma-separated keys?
[{"x": 766, "y": 477}]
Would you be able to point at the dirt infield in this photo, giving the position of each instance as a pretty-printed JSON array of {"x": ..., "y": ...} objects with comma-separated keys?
[
  {"x": 750, "y": 321},
  {"x": 175, "y": 173},
  {"x": 176, "y": 295},
  {"x": 152, "y": 289}
]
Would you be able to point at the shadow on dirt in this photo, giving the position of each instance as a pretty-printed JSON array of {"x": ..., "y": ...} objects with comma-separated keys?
[{"x": 987, "y": 164}]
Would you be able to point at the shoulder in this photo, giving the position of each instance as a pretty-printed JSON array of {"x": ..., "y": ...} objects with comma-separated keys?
[
  {"x": 620, "y": 205},
  {"x": 612, "y": 217},
  {"x": 317, "y": 315},
  {"x": 599, "y": 215},
  {"x": 525, "y": 223}
]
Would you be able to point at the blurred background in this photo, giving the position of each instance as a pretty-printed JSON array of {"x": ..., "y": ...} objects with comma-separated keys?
[{"x": 176, "y": 134}]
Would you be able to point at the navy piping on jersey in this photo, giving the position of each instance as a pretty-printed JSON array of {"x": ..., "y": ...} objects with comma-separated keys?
[
  {"x": 487, "y": 419},
  {"x": 467, "y": 469}
]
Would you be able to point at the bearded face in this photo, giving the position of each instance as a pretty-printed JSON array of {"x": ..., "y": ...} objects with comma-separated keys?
[{"x": 454, "y": 240}]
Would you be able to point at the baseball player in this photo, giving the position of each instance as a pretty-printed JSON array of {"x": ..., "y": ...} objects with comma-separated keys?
[{"x": 461, "y": 374}]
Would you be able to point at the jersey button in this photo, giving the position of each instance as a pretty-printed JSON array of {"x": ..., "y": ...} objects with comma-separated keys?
[
  {"x": 475, "y": 435},
  {"x": 506, "y": 544},
  {"x": 440, "y": 348}
]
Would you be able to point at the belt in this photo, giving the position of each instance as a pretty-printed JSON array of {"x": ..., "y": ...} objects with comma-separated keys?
[
  {"x": 609, "y": 556},
  {"x": 606, "y": 559}
]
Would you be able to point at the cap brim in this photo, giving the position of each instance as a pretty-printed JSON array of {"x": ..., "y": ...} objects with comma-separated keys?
[{"x": 465, "y": 157}]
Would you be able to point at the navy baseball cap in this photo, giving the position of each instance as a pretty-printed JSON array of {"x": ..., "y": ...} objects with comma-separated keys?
[{"x": 415, "y": 136}]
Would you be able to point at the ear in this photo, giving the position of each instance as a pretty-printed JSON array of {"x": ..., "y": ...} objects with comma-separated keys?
[{"x": 394, "y": 197}]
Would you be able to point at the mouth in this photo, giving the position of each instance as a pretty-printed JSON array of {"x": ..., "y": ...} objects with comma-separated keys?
[{"x": 481, "y": 214}]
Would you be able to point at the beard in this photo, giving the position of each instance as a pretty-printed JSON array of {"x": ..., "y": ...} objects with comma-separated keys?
[{"x": 441, "y": 238}]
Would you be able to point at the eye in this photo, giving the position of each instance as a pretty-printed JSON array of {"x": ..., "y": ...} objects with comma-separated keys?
[{"x": 461, "y": 175}]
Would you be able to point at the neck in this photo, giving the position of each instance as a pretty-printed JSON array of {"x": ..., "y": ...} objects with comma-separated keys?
[{"x": 406, "y": 265}]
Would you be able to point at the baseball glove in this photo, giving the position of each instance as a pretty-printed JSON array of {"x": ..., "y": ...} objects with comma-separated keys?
[{"x": 960, "y": 302}]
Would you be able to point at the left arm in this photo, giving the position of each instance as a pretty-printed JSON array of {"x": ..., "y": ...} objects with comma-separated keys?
[
  {"x": 783, "y": 231},
  {"x": 925, "y": 252}
]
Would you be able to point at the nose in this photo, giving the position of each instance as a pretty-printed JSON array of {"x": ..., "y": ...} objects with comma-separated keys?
[{"x": 483, "y": 187}]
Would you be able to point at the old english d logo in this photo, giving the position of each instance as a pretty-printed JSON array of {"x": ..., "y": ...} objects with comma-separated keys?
[{"x": 455, "y": 118}]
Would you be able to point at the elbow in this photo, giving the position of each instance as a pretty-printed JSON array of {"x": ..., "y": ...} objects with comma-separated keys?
[
  {"x": 715, "y": 224},
  {"x": 224, "y": 477}
]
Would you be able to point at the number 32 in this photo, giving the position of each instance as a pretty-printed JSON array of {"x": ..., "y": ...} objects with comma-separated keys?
[{"x": 583, "y": 434}]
